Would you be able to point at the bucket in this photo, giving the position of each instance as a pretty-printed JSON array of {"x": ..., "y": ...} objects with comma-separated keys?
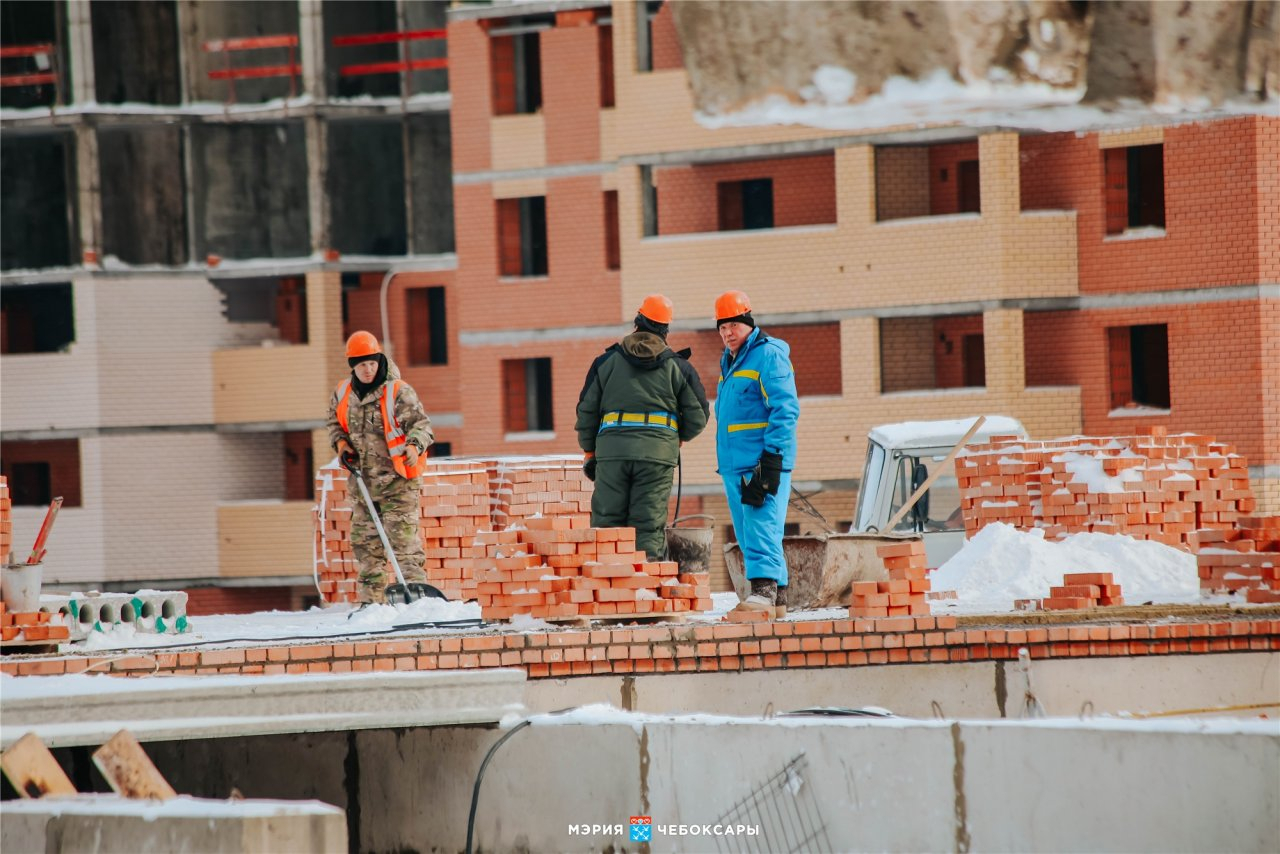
[
  {"x": 691, "y": 547},
  {"x": 20, "y": 587}
]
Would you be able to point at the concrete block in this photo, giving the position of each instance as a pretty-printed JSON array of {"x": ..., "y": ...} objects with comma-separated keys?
[{"x": 106, "y": 824}]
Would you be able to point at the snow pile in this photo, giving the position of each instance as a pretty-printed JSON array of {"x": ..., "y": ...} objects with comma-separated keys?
[{"x": 1001, "y": 564}]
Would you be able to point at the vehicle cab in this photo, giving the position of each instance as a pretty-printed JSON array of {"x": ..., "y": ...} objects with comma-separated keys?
[{"x": 900, "y": 457}]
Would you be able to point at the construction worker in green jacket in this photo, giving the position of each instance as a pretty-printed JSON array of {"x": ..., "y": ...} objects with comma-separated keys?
[{"x": 640, "y": 402}]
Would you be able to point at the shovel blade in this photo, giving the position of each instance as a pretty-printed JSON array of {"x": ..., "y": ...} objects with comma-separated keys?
[{"x": 411, "y": 592}]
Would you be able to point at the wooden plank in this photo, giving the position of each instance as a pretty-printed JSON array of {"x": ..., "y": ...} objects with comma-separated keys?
[
  {"x": 129, "y": 770},
  {"x": 32, "y": 769}
]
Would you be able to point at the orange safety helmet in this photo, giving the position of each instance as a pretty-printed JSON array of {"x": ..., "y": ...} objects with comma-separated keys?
[
  {"x": 362, "y": 344},
  {"x": 732, "y": 304},
  {"x": 657, "y": 308}
]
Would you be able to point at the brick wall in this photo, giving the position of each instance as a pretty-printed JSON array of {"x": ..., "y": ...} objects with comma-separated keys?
[
  {"x": 665, "y": 39},
  {"x": 1215, "y": 219},
  {"x": 570, "y": 91},
  {"x": 694, "y": 648},
  {"x": 902, "y": 182},
  {"x": 944, "y": 195},
  {"x": 1215, "y": 370},
  {"x": 803, "y": 192},
  {"x": 202, "y": 601}
]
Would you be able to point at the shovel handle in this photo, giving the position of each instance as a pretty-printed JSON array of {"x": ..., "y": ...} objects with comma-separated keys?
[{"x": 377, "y": 523}]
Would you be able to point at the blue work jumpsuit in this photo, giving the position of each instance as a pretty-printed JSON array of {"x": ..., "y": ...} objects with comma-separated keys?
[{"x": 756, "y": 411}]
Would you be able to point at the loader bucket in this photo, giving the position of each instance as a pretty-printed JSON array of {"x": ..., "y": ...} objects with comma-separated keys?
[{"x": 821, "y": 568}]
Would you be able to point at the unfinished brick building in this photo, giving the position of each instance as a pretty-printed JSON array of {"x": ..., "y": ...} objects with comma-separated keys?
[{"x": 1100, "y": 283}]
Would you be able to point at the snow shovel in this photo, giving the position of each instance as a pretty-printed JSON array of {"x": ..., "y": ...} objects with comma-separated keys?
[{"x": 400, "y": 591}]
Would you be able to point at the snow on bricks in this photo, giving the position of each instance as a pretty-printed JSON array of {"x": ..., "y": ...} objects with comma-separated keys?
[
  {"x": 1153, "y": 487},
  {"x": 904, "y": 593},
  {"x": 25, "y": 627},
  {"x": 1246, "y": 557}
]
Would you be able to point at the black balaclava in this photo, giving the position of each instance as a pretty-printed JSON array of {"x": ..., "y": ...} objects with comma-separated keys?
[
  {"x": 745, "y": 318},
  {"x": 378, "y": 379},
  {"x": 644, "y": 324}
]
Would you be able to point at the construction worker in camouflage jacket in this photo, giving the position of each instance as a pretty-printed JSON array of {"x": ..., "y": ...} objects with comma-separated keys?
[
  {"x": 378, "y": 427},
  {"x": 640, "y": 402}
]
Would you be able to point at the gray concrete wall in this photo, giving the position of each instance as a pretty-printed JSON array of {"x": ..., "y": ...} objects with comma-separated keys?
[
  {"x": 233, "y": 19},
  {"x": 36, "y": 229},
  {"x": 366, "y": 187},
  {"x": 144, "y": 215},
  {"x": 251, "y": 190},
  {"x": 135, "y": 52},
  {"x": 862, "y": 786},
  {"x": 431, "y": 153},
  {"x": 972, "y": 690}
]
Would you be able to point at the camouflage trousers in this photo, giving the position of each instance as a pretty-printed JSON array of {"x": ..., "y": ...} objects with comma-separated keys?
[{"x": 397, "y": 504}]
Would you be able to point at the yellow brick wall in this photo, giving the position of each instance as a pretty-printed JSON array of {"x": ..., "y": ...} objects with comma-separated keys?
[
  {"x": 519, "y": 142},
  {"x": 259, "y": 538},
  {"x": 1128, "y": 137}
]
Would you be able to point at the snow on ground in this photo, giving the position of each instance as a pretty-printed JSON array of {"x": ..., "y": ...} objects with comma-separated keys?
[{"x": 1001, "y": 564}]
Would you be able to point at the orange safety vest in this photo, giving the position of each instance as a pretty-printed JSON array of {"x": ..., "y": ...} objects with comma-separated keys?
[{"x": 396, "y": 440}]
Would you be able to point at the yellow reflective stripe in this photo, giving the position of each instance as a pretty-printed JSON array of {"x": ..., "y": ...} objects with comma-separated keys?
[
  {"x": 758, "y": 425},
  {"x": 751, "y": 375},
  {"x": 642, "y": 419}
]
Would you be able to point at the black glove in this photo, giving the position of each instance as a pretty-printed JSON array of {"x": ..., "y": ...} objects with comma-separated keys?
[
  {"x": 753, "y": 493},
  {"x": 350, "y": 459},
  {"x": 589, "y": 468},
  {"x": 769, "y": 472}
]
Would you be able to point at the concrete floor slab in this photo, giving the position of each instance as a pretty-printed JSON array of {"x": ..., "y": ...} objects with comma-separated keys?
[{"x": 87, "y": 710}]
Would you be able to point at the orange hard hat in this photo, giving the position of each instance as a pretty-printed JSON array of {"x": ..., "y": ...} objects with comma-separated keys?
[
  {"x": 732, "y": 304},
  {"x": 657, "y": 308},
  {"x": 362, "y": 344}
]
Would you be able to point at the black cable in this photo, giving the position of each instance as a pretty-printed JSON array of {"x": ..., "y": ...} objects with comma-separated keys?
[
  {"x": 442, "y": 624},
  {"x": 475, "y": 790}
]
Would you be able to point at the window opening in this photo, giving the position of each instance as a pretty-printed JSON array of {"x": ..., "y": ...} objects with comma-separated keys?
[
  {"x": 36, "y": 318},
  {"x": 428, "y": 331}
]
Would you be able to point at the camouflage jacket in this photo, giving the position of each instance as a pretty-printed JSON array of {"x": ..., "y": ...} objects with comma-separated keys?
[{"x": 367, "y": 436}]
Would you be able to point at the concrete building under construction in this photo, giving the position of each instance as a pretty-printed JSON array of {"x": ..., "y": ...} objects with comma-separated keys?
[{"x": 191, "y": 230}]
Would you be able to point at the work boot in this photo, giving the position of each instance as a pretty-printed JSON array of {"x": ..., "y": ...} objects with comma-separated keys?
[
  {"x": 764, "y": 593},
  {"x": 780, "y": 604}
]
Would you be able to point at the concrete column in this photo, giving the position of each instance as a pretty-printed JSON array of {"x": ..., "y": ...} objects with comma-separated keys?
[
  {"x": 311, "y": 44},
  {"x": 999, "y": 168},
  {"x": 80, "y": 51},
  {"x": 856, "y": 186},
  {"x": 311, "y": 48},
  {"x": 1003, "y": 347},
  {"x": 88, "y": 192}
]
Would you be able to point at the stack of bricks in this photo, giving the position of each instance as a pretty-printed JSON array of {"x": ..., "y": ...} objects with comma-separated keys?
[
  {"x": 335, "y": 565},
  {"x": 558, "y": 567},
  {"x": 535, "y": 487},
  {"x": 6, "y": 521},
  {"x": 904, "y": 594},
  {"x": 1153, "y": 487},
  {"x": 455, "y": 504},
  {"x": 1083, "y": 590},
  {"x": 459, "y": 498},
  {"x": 32, "y": 627},
  {"x": 1246, "y": 557}
]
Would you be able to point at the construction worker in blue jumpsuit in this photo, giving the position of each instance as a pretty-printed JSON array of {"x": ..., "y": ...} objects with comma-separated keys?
[{"x": 756, "y": 413}]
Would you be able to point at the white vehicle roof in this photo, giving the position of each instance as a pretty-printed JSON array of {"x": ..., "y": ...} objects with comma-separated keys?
[{"x": 942, "y": 434}]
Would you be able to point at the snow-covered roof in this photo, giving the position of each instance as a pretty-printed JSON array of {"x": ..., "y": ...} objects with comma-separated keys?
[{"x": 943, "y": 434}]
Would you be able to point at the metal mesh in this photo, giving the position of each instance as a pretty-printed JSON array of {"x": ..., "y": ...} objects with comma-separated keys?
[{"x": 783, "y": 808}]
